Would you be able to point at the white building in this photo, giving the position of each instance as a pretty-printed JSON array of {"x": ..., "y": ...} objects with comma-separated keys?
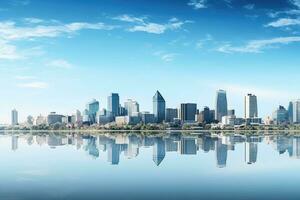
[
  {"x": 132, "y": 107},
  {"x": 296, "y": 111},
  {"x": 251, "y": 110}
]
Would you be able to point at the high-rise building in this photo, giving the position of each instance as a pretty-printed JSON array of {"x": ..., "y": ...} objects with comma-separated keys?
[
  {"x": 188, "y": 112},
  {"x": 280, "y": 115},
  {"x": 14, "y": 117},
  {"x": 132, "y": 107},
  {"x": 171, "y": 114},
  {"x": 206, "y": 116},
  {"x": 113, "y": 104},
  {"x": 296, "y": 111},
  {"x": 159, "y": 107},
  {"x": 147, "y": 118},
  {"x": 251, "y": 106},
  {"x": 54, "y": 118},
  {"x": 290, "y": 112},
  {"x": 40, "y": 120},
  {"x": 92, "y": 108},
  {"x": 221, "y": 105}
]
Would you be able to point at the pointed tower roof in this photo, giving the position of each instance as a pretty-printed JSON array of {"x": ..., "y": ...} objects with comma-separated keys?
[{"x": 158, "y": 97}]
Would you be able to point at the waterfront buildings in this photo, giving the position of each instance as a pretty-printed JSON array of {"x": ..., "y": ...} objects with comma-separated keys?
[
  {"x": 188, "y": 112},
  {"x": 14, "y": 117},
  {"x": 92, "y": 110},
  {"x": 171, "y": 114},
  {"x": 250, "y": 106},
  {"x": 113, "y": 103},
  {"x": 221, "y": 105},
  {"x": 206, "y": 116},
  {"x": 132, "y": 108},
  {"x": 159, "y": 107},
  {"x": 40, "y": 120},
  {"x": 147, "y": 118},
  {"x": 296, "y": 111},
  {"x": 54, "y": 118},
  {"x": 280, "y": 116}
]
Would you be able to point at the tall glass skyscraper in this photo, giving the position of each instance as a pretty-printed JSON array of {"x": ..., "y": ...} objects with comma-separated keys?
[
  {"x": 113, "y": 104},
  {"x": 14, "y": 117},
  {"x": 251, "y": 106},
  {"x": 92, "y": 108},
  {"x": 221, "y": 105},
  {"x": 159, "y": 107}
]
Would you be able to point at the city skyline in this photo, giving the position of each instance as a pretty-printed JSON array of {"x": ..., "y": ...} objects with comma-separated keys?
[{"x": 57, "y": 55}]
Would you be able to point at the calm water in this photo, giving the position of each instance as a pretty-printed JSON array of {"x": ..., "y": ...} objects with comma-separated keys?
[{"x": 131, "y": 166}]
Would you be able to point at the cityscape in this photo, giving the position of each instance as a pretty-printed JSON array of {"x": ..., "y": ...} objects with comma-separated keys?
[{"x": 116, "y": 115}]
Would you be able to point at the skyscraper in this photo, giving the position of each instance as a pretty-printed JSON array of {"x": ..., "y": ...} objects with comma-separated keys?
[
  {"x": 14, "y": 117},
  {"x": 92, "y": 108},
  {"x": 171, "y": 114},
  {"x": 290, "y": 112},
  {"x": 159, "y": 107},
  {"x": 251, "y": 106},
  {"x": 221, "y": 105},
  {"x": 113, "y": 104},
  {"x": 188, "y": 112},
  {"x": 296, "y": 111},
  {"x": 132, "y": 107}
]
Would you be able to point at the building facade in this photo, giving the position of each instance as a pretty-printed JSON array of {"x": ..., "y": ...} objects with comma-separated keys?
[
  {"x": 188, "y": 112},
  {"x": 221, "y": 105},
  {"x": 92, "y": 108},
  {"x": 159, "y": 107},
  {"x": 171, "y": 114},
  {"x": 14, "y": 117},
  {"x": 251, "y": 110},
  {"x": 113, "y": 102}
]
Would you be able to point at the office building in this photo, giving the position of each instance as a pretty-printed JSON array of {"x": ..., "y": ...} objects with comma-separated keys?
[
  {"x": 280, "y": 116},
  {"x": 147, "y": 118},
  {"x": 92, "y": 108},
  {"x": 290, "y": 112},
  {"x": 113, "y": 102},
  {"x": 131, "y": 107},
  {"x": 251, "y": 110},
  {"x": 296, "y": 111},
  {"x": 171, "y": 114},
  {"x": 40, "y": 120},
  {"x": 187, "y": 113},
  {"x": 14, "y": 117},
  {"x": 54, "y": 118},
  {"x": 159, "y": 107},
  {"x": 206, "y": 116},
  {"x": 221, "y": 105}
]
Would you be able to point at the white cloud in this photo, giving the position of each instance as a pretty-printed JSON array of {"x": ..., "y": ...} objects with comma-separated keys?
[
  {"x": 33, "y": 20},
  {"x": 284, "y": 22},
  {"x": 10, "y": 31},
  {"x": 200, "y": 43},
  {"x": 257, "y": 46},
  {"x": 249, "y": 6},
  {"x": 33, "y": 85},
  {"x": 60, "y": 63},
  {"x": 8, "y": 51},
  {"x": 129, "y": 18},
  {"x": 197, "y": 4},
  {"x": 19, "y": 2},
  {"x": 296, "y": 3},
  {"x": 166, "y": 57},
  {"x": 25, "y": 77}
]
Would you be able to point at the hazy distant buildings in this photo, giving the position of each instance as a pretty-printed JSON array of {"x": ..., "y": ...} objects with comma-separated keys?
[
  {"x": 132, "y": 108},
  {"x": 171, "y": 114},
  {"x": 40, "y": 120},
  {"x": 30, "y": 120},
  {"x": 159, "y": 107},
  {"x": 290, "y": 112},
  {"x": 188, "y": 112},
  {"x": 250, "y": 106},
  {"x": 206, "y": 116},
  {"x": 280, "y": 116},
  {"x": 113, "y": 103},
  {"x": 221, "y": 105},
  {"x": 92, "y": 108},
  {"x": 14, "y": 117},
  {"x": 54, "y": 118}
]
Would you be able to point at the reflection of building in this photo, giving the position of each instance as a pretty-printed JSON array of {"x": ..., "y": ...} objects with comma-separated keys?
[
  {"x": 91, "y": 147},
  {"x": 113, "y": 153},
  {"x": 296, "y": 147},
  {"x": 158, "y": 151},
  {"x": 221, "y": 105},
  {"x": 14, "y": 142},
  {"x": 221, "y": 153},
  {"x": 250, "y": 152},
  {"x": 188, "y": 146}
]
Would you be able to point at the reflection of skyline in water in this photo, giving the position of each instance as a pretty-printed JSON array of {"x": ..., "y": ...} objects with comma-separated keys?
[{"x": 116, "y": 145}]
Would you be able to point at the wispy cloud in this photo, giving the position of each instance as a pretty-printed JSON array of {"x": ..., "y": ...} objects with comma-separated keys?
[
  {"x": 249, "y": 6},
  {"x": 8, "y": 51},
  {"x": 33, "y": 85},
  {"x": 142, "y": 24},
  {"x": 257, "y": 46},
  {"x": 284, "y": 22},
  {"x": 33, "y": 20},
  {"x": 197, "y": 4},
  {"x": 25, "y": 77},
  {"x": 164, "y": 56},
  {"x": 60, "y": 63},
  {"x": 19, "y": 2},
  {"x": 201, "y": 43}
]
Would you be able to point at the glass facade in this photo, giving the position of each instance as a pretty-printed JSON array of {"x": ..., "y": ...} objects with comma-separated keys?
[
  {"x": 159, "y": 107},
  {"x": 221, "y": 105},
  {"x": 113, "y": 102}
]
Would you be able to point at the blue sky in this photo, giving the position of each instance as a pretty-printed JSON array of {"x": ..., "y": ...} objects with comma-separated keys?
[{"x": 56, "y": 55}]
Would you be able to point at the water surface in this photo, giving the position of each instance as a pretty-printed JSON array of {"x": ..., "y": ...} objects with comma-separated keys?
[{"x": 160, "y": 166}]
